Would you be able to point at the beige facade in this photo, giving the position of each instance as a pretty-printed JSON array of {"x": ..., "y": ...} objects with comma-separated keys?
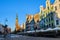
[
  {"x": 29, "y": 17},
  {"x": 57, "y": 7}
]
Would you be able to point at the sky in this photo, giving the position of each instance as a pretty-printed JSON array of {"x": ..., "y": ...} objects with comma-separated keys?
[{"x": 9, "y": 8}]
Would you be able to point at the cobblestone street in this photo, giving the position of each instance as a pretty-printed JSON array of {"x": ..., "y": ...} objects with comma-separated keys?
[{"x": 20, "y": 37}]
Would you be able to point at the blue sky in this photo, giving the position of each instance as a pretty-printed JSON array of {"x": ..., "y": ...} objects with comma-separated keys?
[{"x": 9, "y": 8}]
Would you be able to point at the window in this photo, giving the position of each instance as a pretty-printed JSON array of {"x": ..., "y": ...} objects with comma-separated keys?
[
  {"x": 37, "y": 20},
  {"x": 55, "y": 7},
  {"x": 49, "y": 25},
  {"x": 52, "y": 24},
  {"x": 51, "y": 17},
  {"x": 59, "y": 5},
  {"x": 59, "y": 0},
  {"x": 41, "y": 11},
  {"x": 46, "y": 20},
  {"x": 57, "y": 22},
  {"x": 52, "y": 7},
  {"x": 48, "y": 8}
]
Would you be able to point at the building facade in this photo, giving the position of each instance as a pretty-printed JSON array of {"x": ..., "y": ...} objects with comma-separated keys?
[
  {"x": 48, "y": 17},
  {"x": 30, "y": 25}
]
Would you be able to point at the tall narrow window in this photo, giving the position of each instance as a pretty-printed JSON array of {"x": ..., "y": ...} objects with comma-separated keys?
[
  {"x": 59, "y": 5},
  {"x": 52, "y": 7},
  {"x": 52, "y": 24},
  {"x": 48, "y": 8},
  {"x": 55, "y": 7},
  {"x": 41, "y": 11},
  {"x": 49, "y": 19},
  {"x": 57, "y": 22}
]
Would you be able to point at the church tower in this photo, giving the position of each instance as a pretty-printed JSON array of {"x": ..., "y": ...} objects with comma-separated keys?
[{"x": 17, "y": 25}]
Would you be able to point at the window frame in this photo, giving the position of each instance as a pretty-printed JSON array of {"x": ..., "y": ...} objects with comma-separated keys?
[
  {"x": 57, "y": 22},
  {"x": 55, "y": 7}
]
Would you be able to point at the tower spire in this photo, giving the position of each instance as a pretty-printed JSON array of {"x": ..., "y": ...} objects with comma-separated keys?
[{"x": 17, "y": 25}]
